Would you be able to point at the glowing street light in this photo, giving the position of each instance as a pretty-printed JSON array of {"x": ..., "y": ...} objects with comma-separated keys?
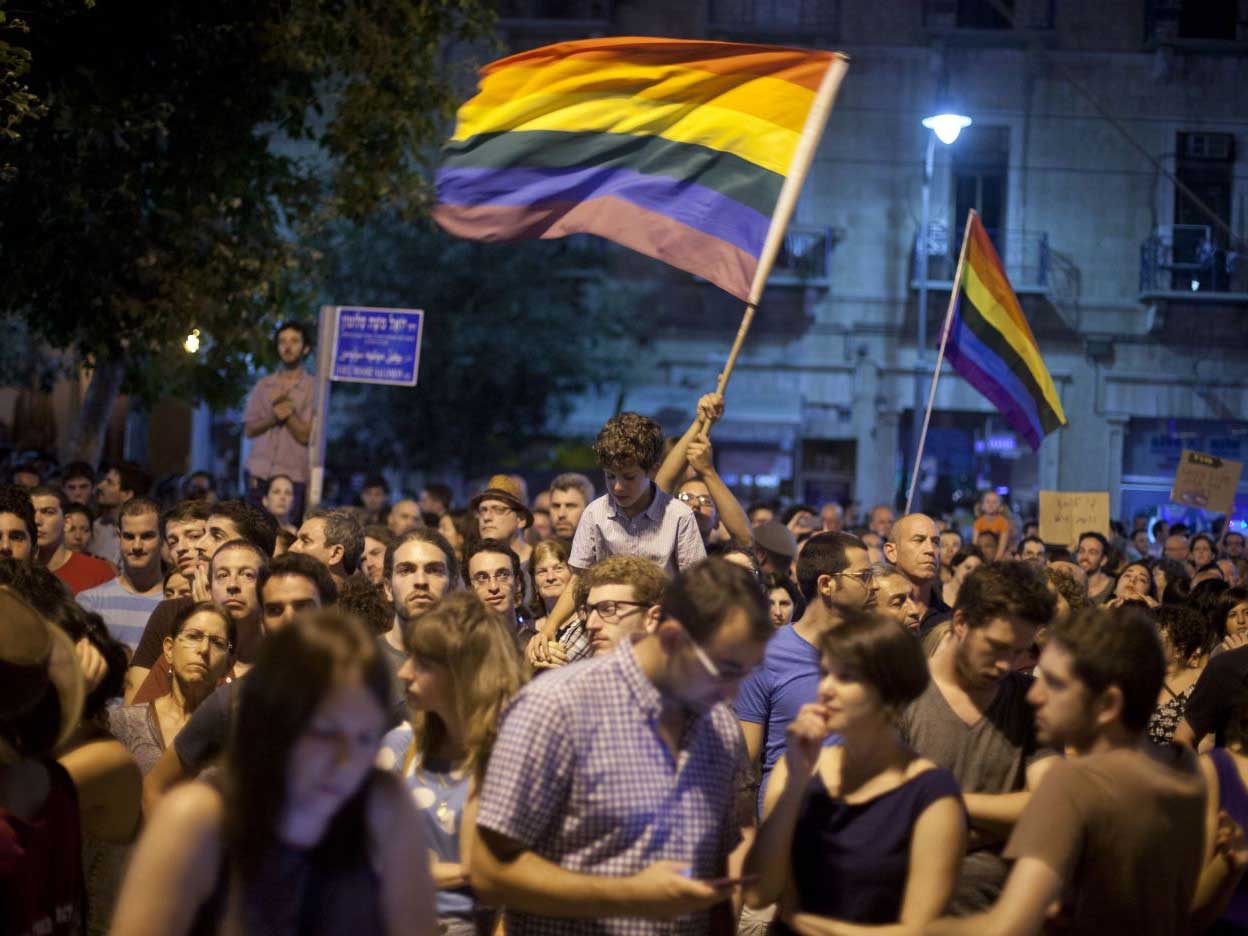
[
  {"x": 947, "y": 126},
  {"x": 191, "y": 344}
]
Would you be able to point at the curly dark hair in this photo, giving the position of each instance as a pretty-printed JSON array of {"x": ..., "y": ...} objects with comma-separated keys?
[
  {"x": 1186, "y": 628},
  {"x": 629, "y": 438},
  {"x": 367, "y": 602}
]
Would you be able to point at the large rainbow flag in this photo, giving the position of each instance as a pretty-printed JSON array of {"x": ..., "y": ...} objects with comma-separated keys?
[
  {"x": 991, "y": 345},
  {"x": 675, "y": 148}
]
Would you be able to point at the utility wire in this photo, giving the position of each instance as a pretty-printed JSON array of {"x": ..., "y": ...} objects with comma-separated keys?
[{"x": 1008, "y": 16}]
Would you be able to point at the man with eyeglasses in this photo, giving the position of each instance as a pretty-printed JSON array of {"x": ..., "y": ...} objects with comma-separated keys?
[
  {"x": 621, "y": 598},
  {"x": 493, "y": 571},
  {"x": 502, "y": 515},
  {"x": 639, "y": 742},
  {"x": 833, "y": 573},
  {"x": 126, "y": 601}
]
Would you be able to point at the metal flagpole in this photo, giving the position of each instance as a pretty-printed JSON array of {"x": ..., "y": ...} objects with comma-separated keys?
[{"x": 940, "y": 358}]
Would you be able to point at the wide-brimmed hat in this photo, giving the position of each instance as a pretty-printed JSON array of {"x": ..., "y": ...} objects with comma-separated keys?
[
  {"x": 36, "y": 657},
  {"x": 502, "y": 488},
  {"x": 775, "y": 537}
]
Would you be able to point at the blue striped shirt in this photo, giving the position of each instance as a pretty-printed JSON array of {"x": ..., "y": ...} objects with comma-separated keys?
[
  {"x": 123, "y": 611},
  {"x": 666, "y": 533}
]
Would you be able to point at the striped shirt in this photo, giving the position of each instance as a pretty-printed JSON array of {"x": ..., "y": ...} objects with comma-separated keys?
[
  {"x": 123, "y": 611},
  {"x": 666, "y": 533},
  {"x": 580, "y": 776}
]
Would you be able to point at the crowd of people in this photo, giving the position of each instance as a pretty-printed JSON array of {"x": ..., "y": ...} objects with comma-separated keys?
[{"x": 653, "y": 710}]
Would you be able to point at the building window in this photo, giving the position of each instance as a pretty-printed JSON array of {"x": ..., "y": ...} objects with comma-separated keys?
[
  {"x": 983, "y": 14},
  {"x": 1204, "y": 164},
  {"x": 981, "y": 160}
]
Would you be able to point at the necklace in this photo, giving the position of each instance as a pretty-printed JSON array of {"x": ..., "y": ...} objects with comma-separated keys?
[{"x": 446, "y": 815}]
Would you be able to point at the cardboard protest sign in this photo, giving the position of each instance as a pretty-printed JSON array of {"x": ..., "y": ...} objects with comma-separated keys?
[
  {"x": 1065, "y": 515},
  {"x": 1206, "y": 482}
]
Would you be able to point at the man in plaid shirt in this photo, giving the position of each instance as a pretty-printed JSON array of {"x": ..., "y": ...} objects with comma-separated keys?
[
  {"x": 616, "y": 597},
  {"x": 612, "y": 800}
]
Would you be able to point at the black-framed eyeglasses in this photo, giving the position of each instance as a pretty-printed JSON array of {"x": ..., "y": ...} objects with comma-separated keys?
[{"x": 610, "y": 610}]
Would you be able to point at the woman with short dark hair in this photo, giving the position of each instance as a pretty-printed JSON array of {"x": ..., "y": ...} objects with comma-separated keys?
[
  {"x": 199, "y": 652},
  {"x": 863, "y": 832},
  {"x": 299, "y": 833}
]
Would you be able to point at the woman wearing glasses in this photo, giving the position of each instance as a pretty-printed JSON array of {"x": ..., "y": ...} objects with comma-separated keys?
[
  {"x": 866, "y": 832},
  {"x": 199, "y": 651}
]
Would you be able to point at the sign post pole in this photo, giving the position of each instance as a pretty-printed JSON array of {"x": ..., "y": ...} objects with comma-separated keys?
[{"x": 325, "y": 333}]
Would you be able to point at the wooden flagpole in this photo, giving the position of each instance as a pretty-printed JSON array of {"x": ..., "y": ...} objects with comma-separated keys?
[
  {"x": 816, "y": 119},
  {"x": 940, "y": 356}
]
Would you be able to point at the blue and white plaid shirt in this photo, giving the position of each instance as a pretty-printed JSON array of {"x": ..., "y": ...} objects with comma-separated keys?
[
  {"x": 581, "y": 777},
  {"x": 666, "y": 533}
]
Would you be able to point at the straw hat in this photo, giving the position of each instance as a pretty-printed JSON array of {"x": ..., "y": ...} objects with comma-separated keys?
[
  {"x": 36, "y": 657},
  {"x": 503, "y": 488}
]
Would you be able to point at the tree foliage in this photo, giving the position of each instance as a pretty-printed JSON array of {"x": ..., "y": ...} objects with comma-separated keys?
[
  {"x": 188, "y": 154},
  {"x": 512, "y": 332}
]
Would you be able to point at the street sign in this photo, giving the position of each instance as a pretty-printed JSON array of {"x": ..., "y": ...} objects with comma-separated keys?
[{"x": 378, "y": 346}]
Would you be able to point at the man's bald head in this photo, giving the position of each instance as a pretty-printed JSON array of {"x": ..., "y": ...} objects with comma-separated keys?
[{"x": 914, "y": 547}]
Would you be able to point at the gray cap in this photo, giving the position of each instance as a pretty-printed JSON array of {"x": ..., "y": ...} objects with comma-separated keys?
[{"x": 775, "y": 537}]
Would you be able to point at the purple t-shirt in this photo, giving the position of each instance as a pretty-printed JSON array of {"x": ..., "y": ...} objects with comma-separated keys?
[{"x": 775, "y": 692}]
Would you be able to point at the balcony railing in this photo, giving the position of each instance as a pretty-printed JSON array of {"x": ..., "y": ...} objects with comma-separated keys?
[
  {"x": 1184, "y": 258},
  {"x": 1025, "y": 255},
  {"x": 775, "y": 17}
]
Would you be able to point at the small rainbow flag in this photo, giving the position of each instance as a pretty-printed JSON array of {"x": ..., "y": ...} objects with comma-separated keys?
[
  {"x": 675, "y": 148},
  {"x": 991, "y": 345}
]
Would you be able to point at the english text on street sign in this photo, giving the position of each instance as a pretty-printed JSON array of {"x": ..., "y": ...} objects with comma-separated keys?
[{"x": 379, "y": 346}]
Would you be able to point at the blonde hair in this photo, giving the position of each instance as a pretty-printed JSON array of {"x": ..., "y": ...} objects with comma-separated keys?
[{"x": 479, "y": 652}]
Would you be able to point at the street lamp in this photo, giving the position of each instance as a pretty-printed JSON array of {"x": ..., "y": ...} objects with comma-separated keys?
[{"x": 945, "y": 125}]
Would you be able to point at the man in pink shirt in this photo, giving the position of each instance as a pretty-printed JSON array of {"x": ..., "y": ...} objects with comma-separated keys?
[{"x": 278, "y": 419}]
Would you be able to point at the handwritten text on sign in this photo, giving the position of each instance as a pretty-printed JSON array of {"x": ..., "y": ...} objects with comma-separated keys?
[
  {"x": 1206, "y": 481},
  {"x": 377, "y": 345},
  {"x": 1066, "y": 515}
]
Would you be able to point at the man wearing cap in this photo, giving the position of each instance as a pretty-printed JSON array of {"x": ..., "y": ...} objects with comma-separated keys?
[
  {"x": 41, "y": 881},
  {"x": 502, "y": 515},
  {"x": 774, "y": 547}
]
